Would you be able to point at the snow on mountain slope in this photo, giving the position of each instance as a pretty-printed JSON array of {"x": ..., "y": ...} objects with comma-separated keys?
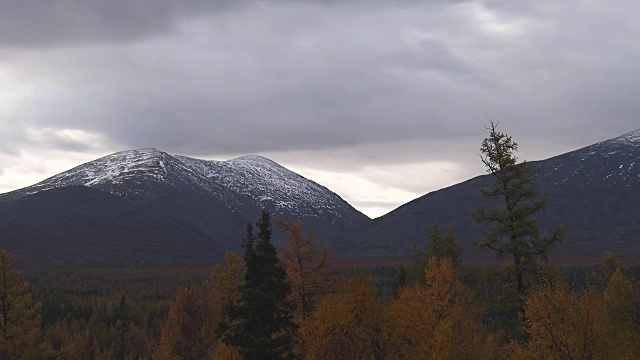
[
  {"x": 271, "y": 185},
  {"x": 148, "y": 173},
  {"x": 631, "y": 138},
  {"x": 126, "y": 173},
  {"x": 608, "y": 163}
]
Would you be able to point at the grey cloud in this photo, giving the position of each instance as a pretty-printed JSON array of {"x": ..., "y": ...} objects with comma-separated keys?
[
  {"x": 51, "y": 139},
  {"x": 11, "y": 138},
  {"x": 341, "y": 105},
  {"x": 41, "y": 23},
  {"x": 429, "y": 55},
  {"x": 362, "y": 83},
  {"x": 28, "y": 23}
]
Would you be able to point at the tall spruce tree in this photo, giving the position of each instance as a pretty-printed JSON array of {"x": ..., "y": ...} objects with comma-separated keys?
[
  {"x": 261, "y": 323},
  {"x": 513, "y": 227}
]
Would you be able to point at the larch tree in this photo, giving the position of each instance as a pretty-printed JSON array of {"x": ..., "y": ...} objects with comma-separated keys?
[
  {"x": 611, "y": 265},
  {"x": 513, "y": 224},
  {"x": 19, "y": 316},
  {"x": 568, "y": 324},
  {"x": 439, "y": 245},
  {"x": 348, "y": 325},
  {"x": 123, "y": 312},
  {"x": 309, "y": 268},
  {"x": 621, "y": 299},
  {"x": 190, "y": 330},
  {"x": 443, "y": 246},
  {"x": 224, "y": 281},
  {"x": 188, "y": 333},
  {"x": 261, "y": 323},
  {"x": 440, "y": 320},
  {"x": 82, "y": 348}
]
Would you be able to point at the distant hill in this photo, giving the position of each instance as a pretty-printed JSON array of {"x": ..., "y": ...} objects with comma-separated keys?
[
  {"x": 594, "y": 192},
  {"x": 149, "y": 208}
]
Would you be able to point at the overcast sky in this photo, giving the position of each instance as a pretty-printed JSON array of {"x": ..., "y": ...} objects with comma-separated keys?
[{"x": 381, "y": 101}]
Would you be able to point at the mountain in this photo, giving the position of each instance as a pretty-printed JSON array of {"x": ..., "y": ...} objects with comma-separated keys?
[
  {"x": 149, "y": 208},
  {"x": 594, "y": 192}
]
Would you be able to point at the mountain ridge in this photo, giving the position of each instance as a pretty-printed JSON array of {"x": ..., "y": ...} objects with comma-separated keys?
[{"x": 594, "y": 191}]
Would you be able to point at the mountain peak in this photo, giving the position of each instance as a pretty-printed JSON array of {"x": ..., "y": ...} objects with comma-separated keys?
[
  {"x": 148, "y": 152},
  {"x": 251, "y": 158},
  {"x": 109, "y": 170}
]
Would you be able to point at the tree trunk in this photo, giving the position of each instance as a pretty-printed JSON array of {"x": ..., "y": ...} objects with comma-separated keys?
[{"x": 520, "y": 275}]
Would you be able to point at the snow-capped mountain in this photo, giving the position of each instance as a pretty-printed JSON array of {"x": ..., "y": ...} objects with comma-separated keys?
[
  {"x": 144, "y": 173},
  {"x": 607, "y": 164},
  {"x": 594, "y": 192},
  {"x": 207, "y": 203}
]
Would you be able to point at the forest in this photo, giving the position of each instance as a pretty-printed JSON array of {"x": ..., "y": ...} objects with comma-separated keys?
[{"x": 297, "y": 303}]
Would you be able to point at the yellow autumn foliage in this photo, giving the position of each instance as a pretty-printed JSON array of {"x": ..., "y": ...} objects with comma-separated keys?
[
  {"x": 346, "y": 326},
  {"x": 310, "y": 269},
  {"x": 190, "y": 330},
  {"x": 569, "y": 324},
  {"x": 438, "y": 321}
]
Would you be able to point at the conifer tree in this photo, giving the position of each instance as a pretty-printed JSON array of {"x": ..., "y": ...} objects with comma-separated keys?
[
  {"x": 309, "y": 268},
  {"x": 402, "y": 279},
  {"x": 563, "y": 323},
  {"x": 440, "y": 320},
  {"x": 348, "y": 325},
  {"x": 441, "y": 246},
  {"x": 82, "y": 348},
  {"x": 513, "y": 226},
  {"x": 190, "y": 330},
  {"x": 248, "y": 244},
  {"x": 260, "y": 325},
  {"x": 19, "y": 317},
  {"x": 123, "y": 310}
]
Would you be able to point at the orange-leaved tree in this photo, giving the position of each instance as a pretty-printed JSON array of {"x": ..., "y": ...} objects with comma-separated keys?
[
  {"x": 438, "y": 321},
  {"x": 19, "y": 316},
  {"x": 346, "y": 326},
  {"x": 309, "y": 267},
  {"x": 621, "y": 299},
  {"x": 568, "y": 324},
  {"x": 190, "y": 330}
]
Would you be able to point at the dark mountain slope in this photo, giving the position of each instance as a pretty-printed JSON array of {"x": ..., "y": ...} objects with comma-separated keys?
[
  {"x": 80, "y": 226},
  {"x": 594, "y": 192}
]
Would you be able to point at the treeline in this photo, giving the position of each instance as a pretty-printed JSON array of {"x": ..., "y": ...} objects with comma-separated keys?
[
  {"x": 438, "y": 310},
  {"x": 94, "y": 313},
  {"x": 438, "y": 314},
  {"x": 88, "y": 311}
]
